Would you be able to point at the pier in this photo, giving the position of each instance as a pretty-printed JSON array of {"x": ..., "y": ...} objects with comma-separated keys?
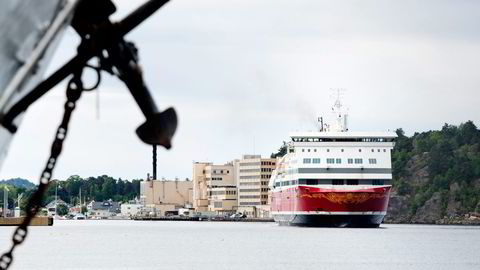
[
  {"x": 224, "y": 219},
  {"x": 36, "y": 221}
]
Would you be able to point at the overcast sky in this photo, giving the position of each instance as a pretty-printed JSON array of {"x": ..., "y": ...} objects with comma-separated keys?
[{"x": 243, "y": 73}]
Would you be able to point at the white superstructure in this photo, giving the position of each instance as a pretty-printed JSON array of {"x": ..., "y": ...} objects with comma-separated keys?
[
  {"x": 335, "y": 156},
  {"x": 357, "y": 158}
]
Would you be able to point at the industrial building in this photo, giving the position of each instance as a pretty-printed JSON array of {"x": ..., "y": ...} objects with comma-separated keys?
[{"x": 166, "y": 197}]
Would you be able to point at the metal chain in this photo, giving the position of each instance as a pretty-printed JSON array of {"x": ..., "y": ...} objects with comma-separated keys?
[{"x": 74, "y": 91}]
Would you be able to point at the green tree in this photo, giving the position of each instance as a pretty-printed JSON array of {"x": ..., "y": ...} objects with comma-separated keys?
[
  {"x": 62, "y": 210},
  {"x": 281, "y": 151}
]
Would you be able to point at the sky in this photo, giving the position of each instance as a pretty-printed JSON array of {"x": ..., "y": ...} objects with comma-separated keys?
[{"x": 242, "y": 74}]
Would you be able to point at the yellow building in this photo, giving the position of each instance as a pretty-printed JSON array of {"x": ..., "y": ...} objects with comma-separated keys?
[
  {"x": 165, "y": 197},
  {"x": 214, "y": 188}
]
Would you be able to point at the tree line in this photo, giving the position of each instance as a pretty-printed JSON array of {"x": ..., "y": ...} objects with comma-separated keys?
[{"x": 98, "y": 188}]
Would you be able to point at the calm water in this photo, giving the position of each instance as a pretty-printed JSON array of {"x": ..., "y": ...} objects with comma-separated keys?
[{"x": 215, "y": 245}]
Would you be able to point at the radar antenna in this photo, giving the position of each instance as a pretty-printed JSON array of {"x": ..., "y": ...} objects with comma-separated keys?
[{"x": 339, "y": 114}]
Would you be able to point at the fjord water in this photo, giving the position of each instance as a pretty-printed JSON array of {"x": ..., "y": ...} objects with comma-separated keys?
[{"x": 220, "y": 245}]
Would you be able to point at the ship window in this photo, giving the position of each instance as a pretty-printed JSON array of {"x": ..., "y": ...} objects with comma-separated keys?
[
  {"x": 384, "y": 150},
  {"x": 337, "y": 182},
  {"x": 358, "y": 161},
  {"x": 372, "y": 160},
  {"x": 290, "y": 150},
  {"x": 277, "y": 184},
  {"x": 309, "y": 150},
  {"x": 316, "y": 160},
  {"x": 307, "y": 160},
  {"x": 377, "y": 182},
  {"x": 378, "y": 150},
  {"x": 342, "y": 150},
  {"x": 330, "y": 160},
  {"x": 352, "y": 182},
  {"x": 373, "y": 150},
  {"x": 350, "y": 161},
  {"x": 314, "y": 150},
  {"x": 312, "y": 182},
  {"x": 328, "y": 150},
  {"x": 359, "y": 150},
  {"x": 302, "y": 181},
  {"x": 339, "y": 160}
]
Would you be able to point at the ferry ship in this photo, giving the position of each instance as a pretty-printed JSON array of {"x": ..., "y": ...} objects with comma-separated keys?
[{"x": 333, "y": 177}]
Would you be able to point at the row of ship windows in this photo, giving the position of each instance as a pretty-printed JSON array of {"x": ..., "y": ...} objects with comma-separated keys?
[
  {"x": 339, "y": 161},
  {"x": 328, "y": 150},
  {"x": 375, "y": 182}
]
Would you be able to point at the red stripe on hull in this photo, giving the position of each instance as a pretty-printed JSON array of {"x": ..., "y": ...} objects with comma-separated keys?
[{"x": 304, "y": 198}]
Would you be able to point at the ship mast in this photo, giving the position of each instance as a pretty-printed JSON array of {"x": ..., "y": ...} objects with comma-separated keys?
[{"x": 339, "y": 114}]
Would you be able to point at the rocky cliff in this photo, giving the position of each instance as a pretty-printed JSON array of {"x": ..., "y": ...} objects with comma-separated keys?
[{"x": 437, "y": 177}]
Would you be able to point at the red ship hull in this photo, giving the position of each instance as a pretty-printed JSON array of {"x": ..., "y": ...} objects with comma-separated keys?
[{"x": 312, "y": 206}]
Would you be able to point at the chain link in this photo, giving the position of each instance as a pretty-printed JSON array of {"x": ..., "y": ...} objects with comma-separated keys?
[{"x": 74, "y": 91}]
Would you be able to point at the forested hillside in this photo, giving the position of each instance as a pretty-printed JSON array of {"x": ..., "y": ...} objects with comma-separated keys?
[
  {"x": 436, "y": 176},
  {"x": 18, "y": 182}
]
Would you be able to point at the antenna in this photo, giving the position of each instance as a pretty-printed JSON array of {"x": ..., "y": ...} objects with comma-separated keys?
[
  {"x": 339, "y": 114},
  {"x": 337, "y": 94},
  {"x": 320, "y": 119}
]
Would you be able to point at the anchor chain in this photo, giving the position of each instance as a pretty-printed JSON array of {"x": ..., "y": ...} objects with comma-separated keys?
[{"x": 74, "y": 91}]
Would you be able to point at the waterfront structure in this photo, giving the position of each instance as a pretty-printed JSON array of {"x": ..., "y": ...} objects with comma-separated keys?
[
  {"x": 131, "y": 209},
  {"x": 252, "y": 175},
  {"x": 52, "y": 207},
  {"x": 333, "y": 177},
  {"x": 165, "y": 197},
  {"x": 103, "y": 209},
  {"x": 214, "y": 188}
]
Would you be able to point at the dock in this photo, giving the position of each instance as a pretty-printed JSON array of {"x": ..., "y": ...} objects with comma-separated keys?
[{"x": 36, "y": 221}]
